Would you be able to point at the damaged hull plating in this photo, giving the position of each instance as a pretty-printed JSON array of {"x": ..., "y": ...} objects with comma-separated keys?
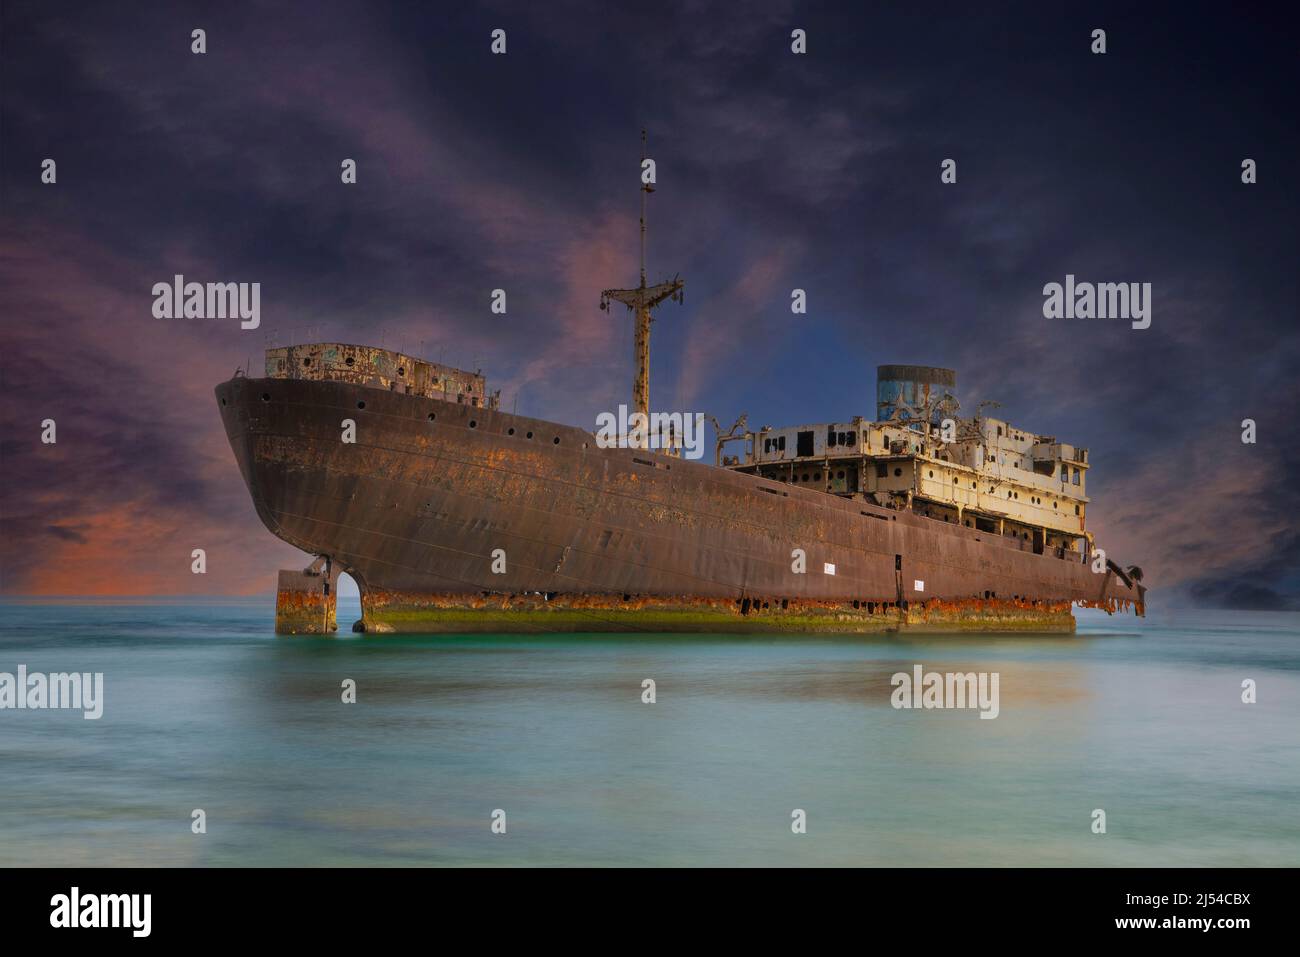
[{"x": 603, "y": 539}]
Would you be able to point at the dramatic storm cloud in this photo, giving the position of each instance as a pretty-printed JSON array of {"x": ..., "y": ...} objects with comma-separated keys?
[{"x": 776, "y": 172}]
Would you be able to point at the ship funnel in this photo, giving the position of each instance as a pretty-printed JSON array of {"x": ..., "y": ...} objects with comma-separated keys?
[{"x": 913, "y": 393}]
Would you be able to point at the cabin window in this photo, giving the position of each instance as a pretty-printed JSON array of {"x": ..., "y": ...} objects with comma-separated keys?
[
  {"x": 831, "y": 435},
  {"x": 805, "y": 446},
  {"x": 781, "y": 444},
  {"x": 881, "y": 470}
]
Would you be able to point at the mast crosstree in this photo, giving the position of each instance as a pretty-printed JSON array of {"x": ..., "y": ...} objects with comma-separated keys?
[{"x": 640, "y": 301}]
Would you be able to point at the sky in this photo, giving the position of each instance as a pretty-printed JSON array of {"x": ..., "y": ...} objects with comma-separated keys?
[{"x": 775, "y": 171}]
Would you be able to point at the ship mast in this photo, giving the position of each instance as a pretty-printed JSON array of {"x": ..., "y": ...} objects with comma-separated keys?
[{"x": 640, "y": 301}]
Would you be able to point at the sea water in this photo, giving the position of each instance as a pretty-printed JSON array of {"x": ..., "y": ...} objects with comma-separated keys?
[{"x": 204, "y": 709}]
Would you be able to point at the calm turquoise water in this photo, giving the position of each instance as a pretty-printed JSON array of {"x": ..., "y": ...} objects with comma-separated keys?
[{"x": 205, "y": 708}]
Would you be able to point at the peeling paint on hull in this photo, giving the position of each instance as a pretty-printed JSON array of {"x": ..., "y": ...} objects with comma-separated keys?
[{"x": 616, "y": 539}]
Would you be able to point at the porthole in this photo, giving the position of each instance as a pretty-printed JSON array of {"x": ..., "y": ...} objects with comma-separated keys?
[
  {"x": 528, "y": 435},
  {"x": 266, "y": 397},
  {"x": 401, "y": 371},
  {"x": 348, "y": 361},
  {"x": 897, "y": 472},
  {"x": 361, "y": 405},
  {"x": 556, "y": 440},
  {"x": 473, "y": 424},
  {"x": 932, "y": 475},
  {"x": 510, "y": 431},
  {"x": 432, "y": 416},
  {"x": 306, "y": 362}
]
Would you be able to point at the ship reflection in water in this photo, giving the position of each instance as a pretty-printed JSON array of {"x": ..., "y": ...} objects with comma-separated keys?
[{"x": 205, "y": 709}]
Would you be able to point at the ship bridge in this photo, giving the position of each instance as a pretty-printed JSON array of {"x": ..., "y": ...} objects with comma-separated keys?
[{"x": 920, "y": 455}]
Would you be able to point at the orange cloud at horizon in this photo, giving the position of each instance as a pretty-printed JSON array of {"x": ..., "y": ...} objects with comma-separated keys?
[{"x": 134, "y": 550}]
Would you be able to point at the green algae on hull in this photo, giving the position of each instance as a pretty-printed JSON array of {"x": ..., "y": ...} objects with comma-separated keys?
[{"x": 1002, "y": 617}]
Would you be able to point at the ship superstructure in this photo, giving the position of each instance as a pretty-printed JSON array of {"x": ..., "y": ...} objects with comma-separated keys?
[{"x": 920, "y": 455}]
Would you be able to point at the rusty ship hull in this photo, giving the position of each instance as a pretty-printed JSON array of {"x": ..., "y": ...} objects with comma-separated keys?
[{"x": 454, "y": 518}]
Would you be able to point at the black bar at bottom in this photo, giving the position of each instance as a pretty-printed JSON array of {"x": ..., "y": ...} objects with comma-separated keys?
[{"x": 333, "y": 907}]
